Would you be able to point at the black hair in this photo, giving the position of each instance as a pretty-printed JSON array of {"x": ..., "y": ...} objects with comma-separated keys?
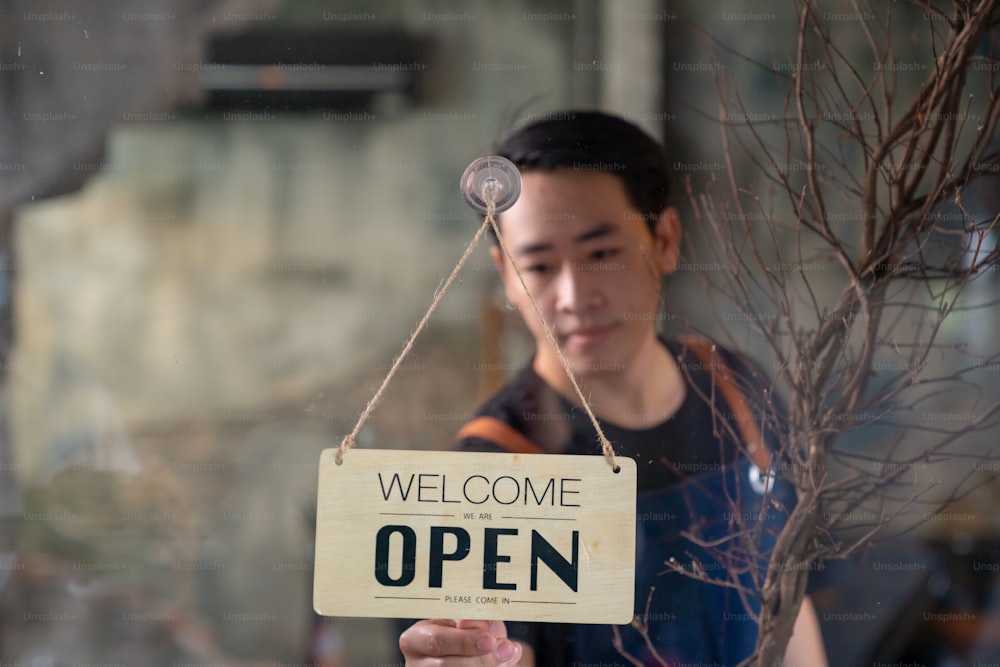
[{"x": 595, "y": 141}]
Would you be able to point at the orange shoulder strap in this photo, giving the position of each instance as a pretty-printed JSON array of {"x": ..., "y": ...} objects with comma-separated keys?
[
  {"x": 752, "y": 439},
  {"x": 500, "y": 433},
  {"x": 512, "y": 440}
]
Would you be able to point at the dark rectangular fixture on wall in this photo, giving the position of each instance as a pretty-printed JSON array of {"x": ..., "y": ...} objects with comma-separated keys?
[{"x": 283, "y": 70}]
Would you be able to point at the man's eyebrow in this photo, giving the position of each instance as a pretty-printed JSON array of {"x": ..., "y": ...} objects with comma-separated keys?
[
  {"x": 602, "y": 229},
  {"x": 533, "y": 248}
]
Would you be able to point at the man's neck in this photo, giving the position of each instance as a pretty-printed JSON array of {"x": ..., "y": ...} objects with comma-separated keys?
[{"x": 647, "y": 392}]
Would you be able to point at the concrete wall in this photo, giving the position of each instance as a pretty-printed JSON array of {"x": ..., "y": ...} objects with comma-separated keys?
[
  {"x": 215, "y": 266},
  {"x": 215, "y": 306}
]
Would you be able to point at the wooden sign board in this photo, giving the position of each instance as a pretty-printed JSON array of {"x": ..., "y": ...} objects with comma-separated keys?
[{"x": 416, "y": 534}]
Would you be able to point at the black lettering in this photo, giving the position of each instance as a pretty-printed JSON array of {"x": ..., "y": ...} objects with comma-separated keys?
[
  {"x": 409, "y": 560},
  {"x": 541, "y": 549},
  {"x": 438, "y": 556},
  {"x": 465, "y": 490},
  {"x": 551, "y": 486},
  {"x": 517, "y": 490},
  {"x": 444, "y": 491},
  {"x": 491, "y": 558},
  {"x": 421, "y": 487},
  {"x": 395, "y": 482},
  {"x": 563, "y": 491}
]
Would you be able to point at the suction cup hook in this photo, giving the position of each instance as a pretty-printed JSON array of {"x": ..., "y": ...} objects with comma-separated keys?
[{"x": 491, "y": 178}]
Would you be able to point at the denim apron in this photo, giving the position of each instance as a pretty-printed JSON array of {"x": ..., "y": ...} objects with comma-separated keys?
[{"x": 691, "y": 621}]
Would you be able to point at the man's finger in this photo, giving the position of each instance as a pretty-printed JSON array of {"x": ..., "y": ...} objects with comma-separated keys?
[
  {"x": 507, "y": 652},
  {"x": 439, "y": 639},
  {"x": 466, "y": 624}
]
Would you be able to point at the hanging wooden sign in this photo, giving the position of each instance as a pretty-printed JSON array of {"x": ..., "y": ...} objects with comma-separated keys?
[{"x": 417, "y": 534}]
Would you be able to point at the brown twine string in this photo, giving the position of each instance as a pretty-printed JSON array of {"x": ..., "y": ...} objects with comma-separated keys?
[
  {"x": 351, "y": 438},
  {"x": 489, "y": 221},
  {"x": 609, "y": 452}
]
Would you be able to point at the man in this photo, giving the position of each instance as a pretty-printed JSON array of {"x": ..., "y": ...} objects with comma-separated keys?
[{"x": 593, "y": 236}]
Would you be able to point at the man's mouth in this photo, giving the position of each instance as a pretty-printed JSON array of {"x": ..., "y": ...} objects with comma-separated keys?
[{"x": 586, "y": 336}]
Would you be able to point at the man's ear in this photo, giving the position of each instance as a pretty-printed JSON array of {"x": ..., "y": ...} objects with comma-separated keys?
[{"x": 667, "y": 239}]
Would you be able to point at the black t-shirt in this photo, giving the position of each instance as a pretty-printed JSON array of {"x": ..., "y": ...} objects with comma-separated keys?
[
  {"x": 695, "y": 439},
  {"x": 671, "y": 456}
]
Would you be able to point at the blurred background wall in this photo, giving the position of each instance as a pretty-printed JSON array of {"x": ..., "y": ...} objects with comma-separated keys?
[
  {"x": 202, "y": 290},
  {"x": 216, "y": 288}
]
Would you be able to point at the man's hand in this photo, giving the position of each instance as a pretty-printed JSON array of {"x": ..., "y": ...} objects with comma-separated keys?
[
  {"x": 447, "y": 643},
  {"x": 806, "y": 648}
]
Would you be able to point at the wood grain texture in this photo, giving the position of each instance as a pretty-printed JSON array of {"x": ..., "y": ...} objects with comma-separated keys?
[{"x": 411, "y": 534}]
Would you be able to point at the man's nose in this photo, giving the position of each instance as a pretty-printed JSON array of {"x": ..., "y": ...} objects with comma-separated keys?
[{"x": 575, "y": 288}]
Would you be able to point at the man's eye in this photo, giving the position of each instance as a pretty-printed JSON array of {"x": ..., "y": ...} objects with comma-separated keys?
[
  {"x": 538, "y": 268},
  {"x": 604, "y": 253}
]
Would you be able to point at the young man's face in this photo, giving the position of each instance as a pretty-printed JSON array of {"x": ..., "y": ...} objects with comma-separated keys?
[{"x": 592, "y": 265}]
